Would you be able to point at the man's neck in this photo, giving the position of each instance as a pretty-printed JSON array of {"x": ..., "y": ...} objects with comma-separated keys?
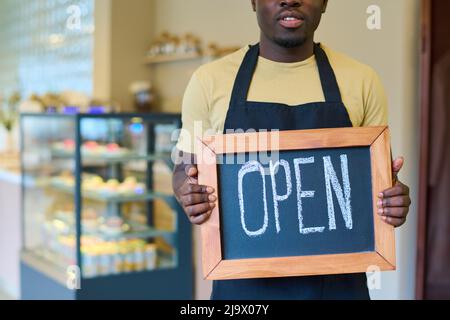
[{"x": 277, "y": 53}]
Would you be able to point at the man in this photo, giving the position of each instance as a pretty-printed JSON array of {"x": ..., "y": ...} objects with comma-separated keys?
[{"x": 286, "y": 82}]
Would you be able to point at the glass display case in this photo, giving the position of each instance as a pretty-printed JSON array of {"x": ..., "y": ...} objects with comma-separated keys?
[{"x": 100, "y": 220}]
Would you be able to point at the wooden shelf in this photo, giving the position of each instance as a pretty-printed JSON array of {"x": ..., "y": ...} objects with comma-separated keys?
[
  {"x": 112, "y": 158},
  {"x": 172, "y": 58},
  {"x": 148, "y": 233},
  {"x": 57, "y": 271},
  {"x": 179, "y": 58},
  {"x": 113, "y": 198}
]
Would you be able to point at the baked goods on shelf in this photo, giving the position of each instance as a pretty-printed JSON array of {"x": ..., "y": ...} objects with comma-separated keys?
[
  {"x": 99, "y": 257},
  {"x": 96, "y": 184},
  {"x": 113, "y": 227},
  {"x": 91, "y": 149}
]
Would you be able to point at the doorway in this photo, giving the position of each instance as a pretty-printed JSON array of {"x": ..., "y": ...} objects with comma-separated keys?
[{"x": 433, "y": 253}]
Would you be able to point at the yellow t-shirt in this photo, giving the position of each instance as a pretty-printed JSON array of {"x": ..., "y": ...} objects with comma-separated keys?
[{"x": 207, "y": 97}]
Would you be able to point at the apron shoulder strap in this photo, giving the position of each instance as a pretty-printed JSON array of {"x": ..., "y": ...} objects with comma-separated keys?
[
  {"x": 327, "y": 76},
  {"x": 244, "y": 76}
]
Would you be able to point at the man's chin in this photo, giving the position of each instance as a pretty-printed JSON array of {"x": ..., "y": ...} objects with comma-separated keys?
[{"x": 290, "y": 43}]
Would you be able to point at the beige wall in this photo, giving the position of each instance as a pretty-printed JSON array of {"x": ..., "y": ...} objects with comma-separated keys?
[
  {"x": 392, "y": 51},
  {"x": 124, "y": 30},
  {"x": 102, "y": 50}
]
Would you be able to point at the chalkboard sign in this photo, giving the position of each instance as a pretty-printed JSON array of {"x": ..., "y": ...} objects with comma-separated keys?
[{"x": 296, "y": 203}]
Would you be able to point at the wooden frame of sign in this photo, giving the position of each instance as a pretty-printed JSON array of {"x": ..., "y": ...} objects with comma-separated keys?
[{"x": 383, "y": 257}]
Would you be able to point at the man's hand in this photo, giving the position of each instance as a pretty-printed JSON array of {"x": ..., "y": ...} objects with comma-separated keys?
[
  {"x": 197, "y": 201},
  {"x": 394, "y": 203}
]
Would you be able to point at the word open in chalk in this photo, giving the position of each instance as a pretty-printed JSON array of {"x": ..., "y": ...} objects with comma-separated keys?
[{"x": 341, "y": 189}]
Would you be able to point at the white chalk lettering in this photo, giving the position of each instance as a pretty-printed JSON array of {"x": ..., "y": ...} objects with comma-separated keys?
[
  {"x": 252, "y": 166},
  {"x": 276, "y": 197},
  {"x": 343, "y": 198},
  {"x": 342, "y": 191},
  {"x": 303, "y": 194}
]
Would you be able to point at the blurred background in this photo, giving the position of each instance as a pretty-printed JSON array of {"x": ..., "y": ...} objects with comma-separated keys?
[{"x": 90, "y": 96}]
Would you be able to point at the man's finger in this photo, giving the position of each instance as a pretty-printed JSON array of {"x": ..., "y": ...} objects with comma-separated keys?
[
  {"x": 397, "y": 201},
  {"x": 191, "y": 171},
  {"x": 195, "y": 188},
  {"x": 396, "y": 222},
  {"x": 201, "y": 208},
  {"x": 201, "y": 218},
  {"x": 197, "y": 198},
  {"x": 395, "y": 212},
  {"x": 397, "y": 165},
  {"x": 398, "y": 190}
]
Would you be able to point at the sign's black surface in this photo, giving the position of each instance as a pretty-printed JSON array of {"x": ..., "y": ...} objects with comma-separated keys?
[{"x": 307, "y": 202}]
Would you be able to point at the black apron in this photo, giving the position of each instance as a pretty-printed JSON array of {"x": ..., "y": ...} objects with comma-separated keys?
[{"x": 245, "y": 115}]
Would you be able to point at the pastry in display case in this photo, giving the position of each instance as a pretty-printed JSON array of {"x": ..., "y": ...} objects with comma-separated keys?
[{"x": 98, "y": 210}]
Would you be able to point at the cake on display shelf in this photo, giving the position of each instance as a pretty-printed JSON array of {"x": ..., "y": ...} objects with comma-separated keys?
[{"x": 91, "y": 149}]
